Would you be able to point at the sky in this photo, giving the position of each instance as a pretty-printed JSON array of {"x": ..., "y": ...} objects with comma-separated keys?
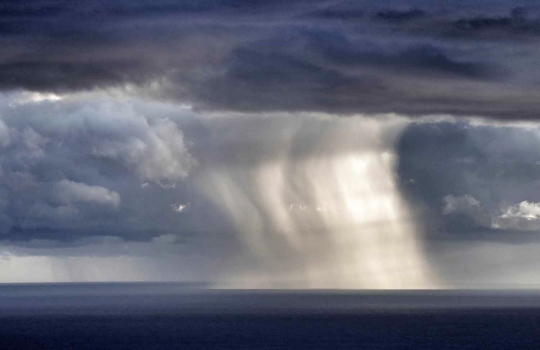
[{"x": 271, "y": 144}]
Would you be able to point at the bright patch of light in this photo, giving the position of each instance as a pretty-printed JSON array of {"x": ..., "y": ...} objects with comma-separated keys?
[
  {"x": 179, "y": 208},
  {"x": 36, "y": 97},
  {"x": 330, "y": 219}
]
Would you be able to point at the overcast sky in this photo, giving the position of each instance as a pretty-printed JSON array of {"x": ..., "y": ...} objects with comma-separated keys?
[{"x": 334, "y": 144}]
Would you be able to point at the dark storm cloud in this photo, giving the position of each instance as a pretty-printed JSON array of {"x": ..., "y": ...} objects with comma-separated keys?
[
  {"x": 473, "y": 180},
  {"x": 338, "y": 57},
  {"x": 397, "y": 16},
  {"x": 421, "y": 59},
  {"x": 65, "y": 76},
  {"x": 513, "y": 24},
  {"x": 323, "y": 70},
  {"x": 275, "y": 81}
]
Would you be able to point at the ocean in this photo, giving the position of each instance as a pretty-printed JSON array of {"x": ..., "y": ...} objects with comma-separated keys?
[{"x": 178, "y": 316}]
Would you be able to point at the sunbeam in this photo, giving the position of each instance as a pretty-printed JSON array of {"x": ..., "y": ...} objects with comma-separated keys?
[{"x": 330, "y": 218}]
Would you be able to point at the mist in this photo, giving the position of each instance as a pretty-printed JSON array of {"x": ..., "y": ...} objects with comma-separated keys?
[{"x": 317, "y": 207}]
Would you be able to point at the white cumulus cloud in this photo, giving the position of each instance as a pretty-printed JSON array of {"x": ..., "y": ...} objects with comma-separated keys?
[{"x": 524, "y": 216}]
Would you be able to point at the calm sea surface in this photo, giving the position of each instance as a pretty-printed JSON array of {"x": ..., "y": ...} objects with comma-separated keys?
[{"x": 179, "y": 316}]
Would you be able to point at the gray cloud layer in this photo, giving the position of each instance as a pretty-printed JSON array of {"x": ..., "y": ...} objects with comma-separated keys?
[
  {"x": 94, "y": 166},
  {"x": 473, "y": 178},
  {"x": 414, "y": 58}
]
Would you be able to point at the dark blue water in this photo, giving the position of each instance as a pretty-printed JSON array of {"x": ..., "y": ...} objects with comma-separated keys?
[
  {"x": 508, "y": 329},
  {"x": 154, "y": 317}
]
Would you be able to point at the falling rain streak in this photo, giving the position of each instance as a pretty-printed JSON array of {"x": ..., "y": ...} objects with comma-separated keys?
[{"x": 320, "y": 208}]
